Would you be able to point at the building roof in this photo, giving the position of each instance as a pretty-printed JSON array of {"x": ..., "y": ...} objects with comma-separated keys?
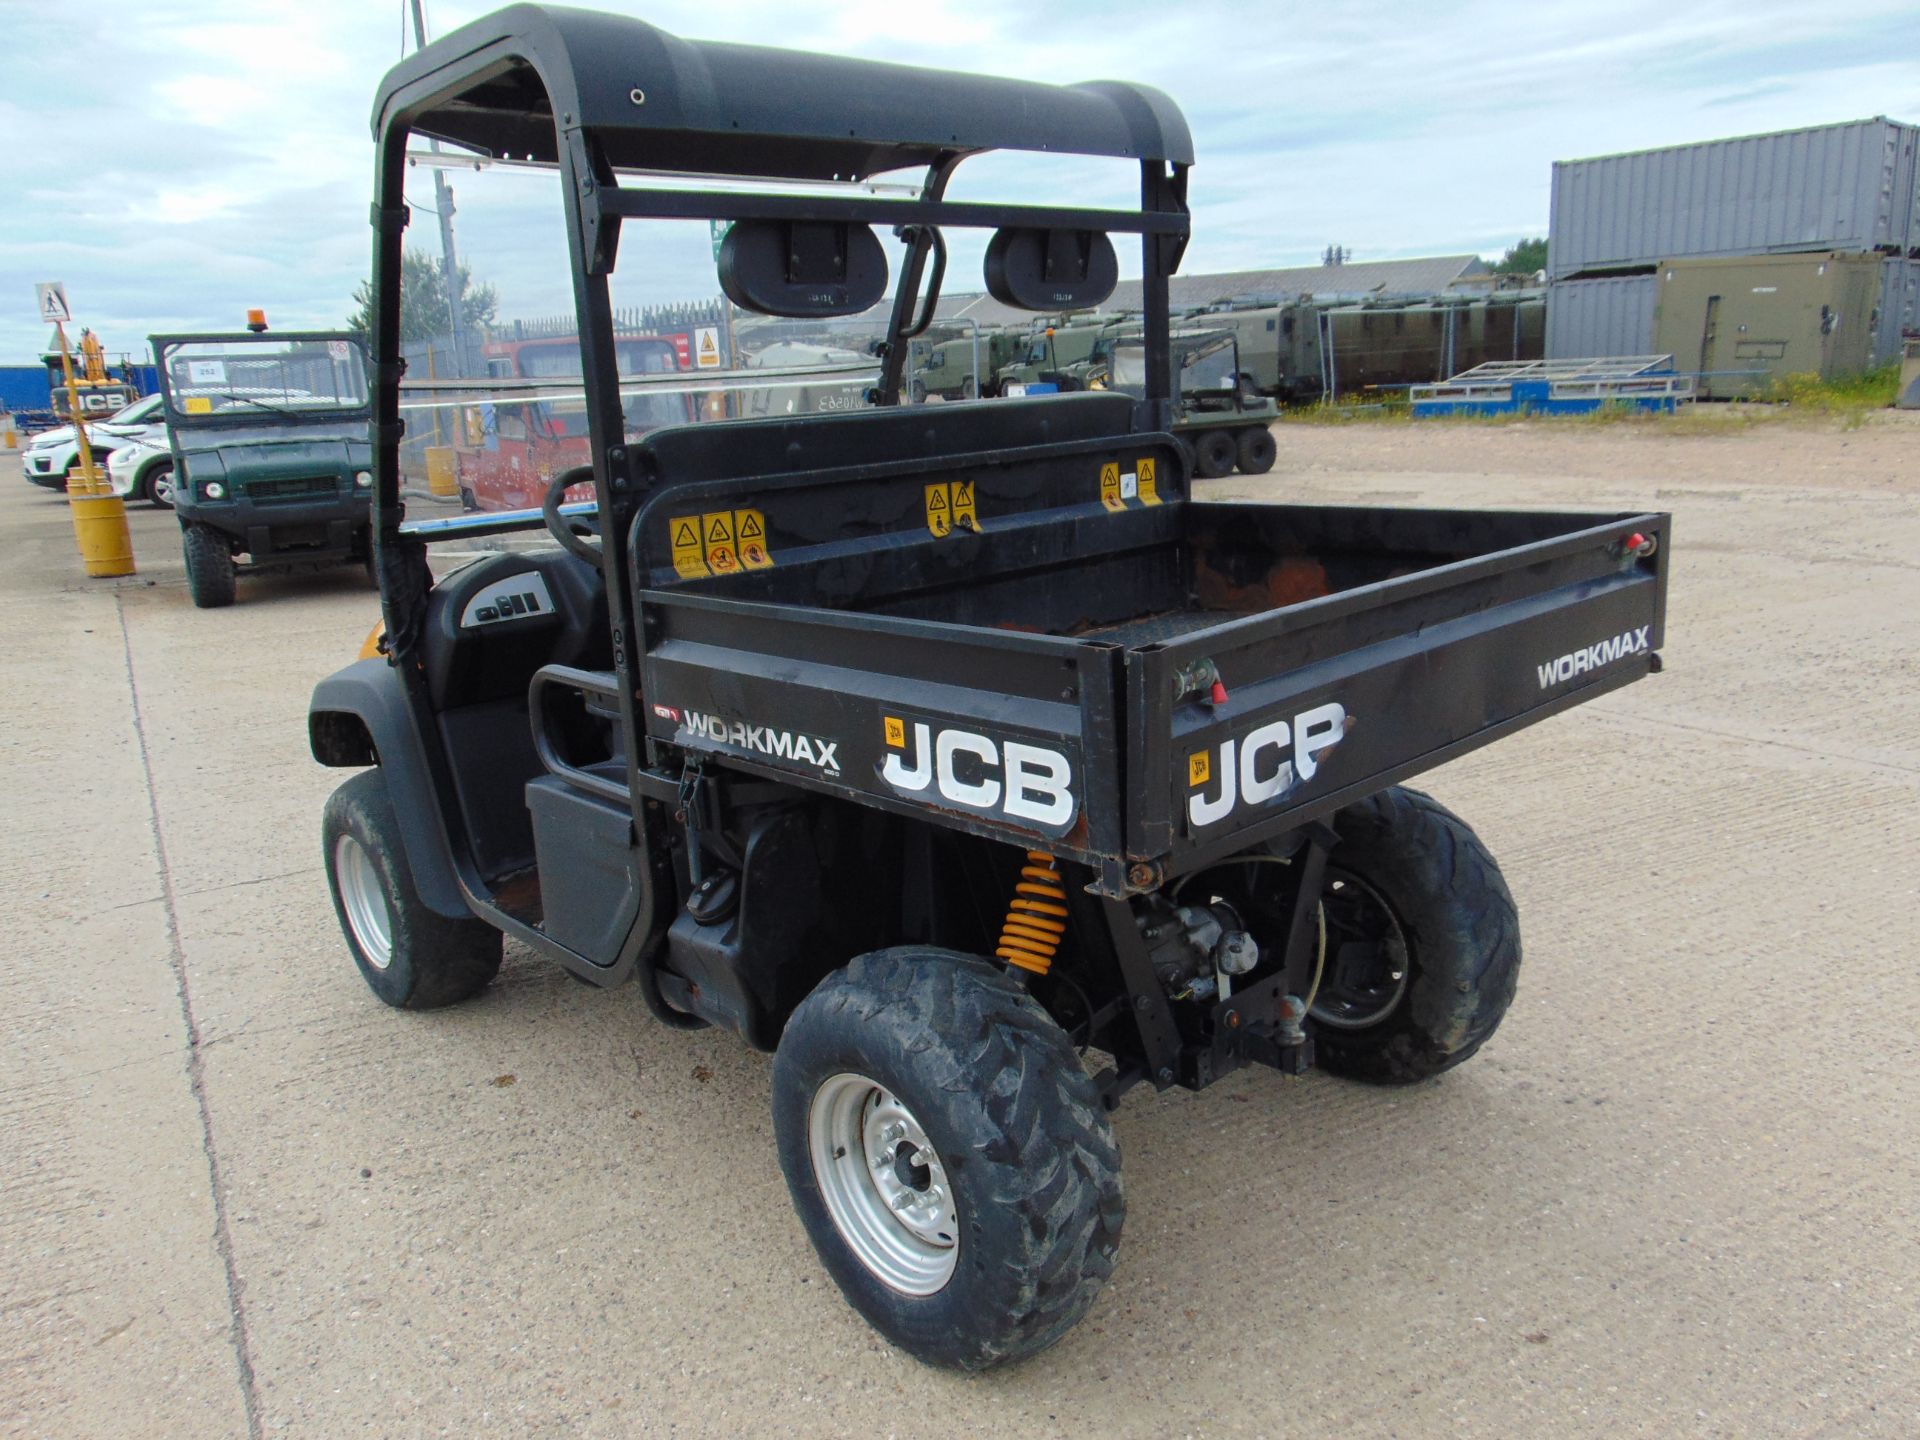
[{"x": 1424, "y": 275}]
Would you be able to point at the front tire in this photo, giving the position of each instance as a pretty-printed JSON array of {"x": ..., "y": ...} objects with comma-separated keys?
[
  {"x": 157, "y": 487},
  {"x": 211, "y": 578},
  {"x": 410, "y": 956},
  {"x": 1423, "y": 942},
  {"x": 948, "y": 1156}
]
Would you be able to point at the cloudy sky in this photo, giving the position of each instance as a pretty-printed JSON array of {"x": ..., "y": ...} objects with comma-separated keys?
[{"x": 198, "y": 157}]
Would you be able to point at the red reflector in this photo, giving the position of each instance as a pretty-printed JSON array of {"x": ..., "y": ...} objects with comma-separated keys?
[{"x": 1219, "y": 696}]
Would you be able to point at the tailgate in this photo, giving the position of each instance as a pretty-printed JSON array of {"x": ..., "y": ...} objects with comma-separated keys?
[{"x": 1334, "y": 698}]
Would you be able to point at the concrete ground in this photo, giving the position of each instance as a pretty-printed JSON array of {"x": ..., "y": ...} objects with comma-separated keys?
[{"x": 1678, "y": 1194}]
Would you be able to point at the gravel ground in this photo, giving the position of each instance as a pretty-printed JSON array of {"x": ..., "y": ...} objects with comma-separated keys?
[{"x": 1674, "y": 1196}]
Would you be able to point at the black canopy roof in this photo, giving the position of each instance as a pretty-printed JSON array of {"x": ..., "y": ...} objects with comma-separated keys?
[{"x": 654, "y": 101}]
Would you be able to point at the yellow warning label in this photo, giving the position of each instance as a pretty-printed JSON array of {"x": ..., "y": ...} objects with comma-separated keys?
[
  {"x": 1199, "y": 768},
  {"x": 940, "y": 509},
  {"x": 963, "y": 511},
  {"x": 197, "y": 405},
  {"x": 1110, "y": 486},
  {"x": 717, "y": 529},
  {"x": 689, "y": 555},
  {"x": 896, "y": 731},
  {"x": 750, "y": 533},
  {"x": 1149, "y": 490}
]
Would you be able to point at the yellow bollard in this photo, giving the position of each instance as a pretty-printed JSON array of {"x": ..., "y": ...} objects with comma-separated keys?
[
  {"x": 99, "y": 516},
  {"x": 440, "y": 476},
  {"x": 100, "y": 524},
  {"x": 10, "y": 440}
]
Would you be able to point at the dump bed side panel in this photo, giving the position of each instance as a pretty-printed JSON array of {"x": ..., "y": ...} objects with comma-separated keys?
[
  {"x": 1007, "y": 735},
  {"x": 1337, "y": 697}
]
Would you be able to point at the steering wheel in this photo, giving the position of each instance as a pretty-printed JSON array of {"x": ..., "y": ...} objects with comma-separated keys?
[{"x": 572, "y": 531}]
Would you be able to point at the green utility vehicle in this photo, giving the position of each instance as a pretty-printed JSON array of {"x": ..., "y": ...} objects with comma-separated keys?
[
  {"x": 271, "y": 455},
  {"x": 1219, "y": 414}
]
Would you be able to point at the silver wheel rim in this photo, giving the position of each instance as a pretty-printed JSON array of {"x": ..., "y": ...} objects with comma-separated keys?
[
  {"x": 364, "y": 900},
  {"x": 163, "y": 488},
  {"x": 883, "y": 1184}
]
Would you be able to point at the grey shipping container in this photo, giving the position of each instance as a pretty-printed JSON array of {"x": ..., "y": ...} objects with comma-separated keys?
[
  {"x": 1835, "y": 187},
  {"x": 1899, "y": 310},
  {"x": 1587, "y": 319}
]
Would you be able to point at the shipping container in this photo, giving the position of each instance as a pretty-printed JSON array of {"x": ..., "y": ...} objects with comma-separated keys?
[
  {"x": 1740, "y": 323},
  {"x": 1587, "y": 319},
  {"x": 1908, "y": 397},
  {"x": 1899, "y": 309},
  {"x": 1835, "y": 187}
]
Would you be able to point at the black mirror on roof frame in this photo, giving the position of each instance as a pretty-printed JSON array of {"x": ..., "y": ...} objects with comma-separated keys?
[
  {"x": 802, "y": 269},
  {"x": 1051, "y": 269}
]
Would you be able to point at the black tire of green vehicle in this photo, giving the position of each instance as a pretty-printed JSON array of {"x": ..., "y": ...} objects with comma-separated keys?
[
  {"x": 1214, "y": 453},
  {"x": 1256, "y": 451},
  {"x": 435, "y": 961},
  {"x": 210, "y": 572},
  {"x": 1018, "y": 1123},
  {"x": 1462, "y": 932},
  {"x": 150, "y": 487}
]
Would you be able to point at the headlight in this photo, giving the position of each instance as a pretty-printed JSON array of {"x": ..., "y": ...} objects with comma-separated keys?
[
  {"x": 363, "y": 479},
  {"x": 215, "y": 490}
]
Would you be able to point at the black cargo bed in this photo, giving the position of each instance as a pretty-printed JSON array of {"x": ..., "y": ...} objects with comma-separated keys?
[{"x": 1075, "y": 630}]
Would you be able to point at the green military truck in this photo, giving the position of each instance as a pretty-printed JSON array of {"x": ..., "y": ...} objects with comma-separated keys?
[
  {"x": 963, "y": 365},
  {"x": 1059, "y": 354}
]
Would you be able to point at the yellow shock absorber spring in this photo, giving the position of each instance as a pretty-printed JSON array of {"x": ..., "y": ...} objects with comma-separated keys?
[{"x": 1036, "y": 916}]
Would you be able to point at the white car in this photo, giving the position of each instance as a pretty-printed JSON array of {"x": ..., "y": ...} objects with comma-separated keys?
[
  {"x": 54, "y": 455},
  {"x": 142, "y": 469}
]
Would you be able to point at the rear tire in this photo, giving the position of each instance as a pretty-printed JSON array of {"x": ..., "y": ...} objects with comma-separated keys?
[
  {"x": 1256, "y": 451},
  {"x": 1214, "y": 453},
  {"x": 210, "y": 572},
  {"x": 412, "y": 957},
  {"x": 1023, "y": 1207},
  {"x": 1423, "y": 942}
]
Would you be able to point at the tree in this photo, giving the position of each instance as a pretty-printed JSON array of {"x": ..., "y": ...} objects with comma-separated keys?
[
  {"x": 424, "y": 313},
  {"x": 1523, "y": 259}
]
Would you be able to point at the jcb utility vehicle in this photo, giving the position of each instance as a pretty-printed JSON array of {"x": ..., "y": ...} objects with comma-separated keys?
[
  {"x": 271, "y": 458},
  {"x": 951, "y": 753}
]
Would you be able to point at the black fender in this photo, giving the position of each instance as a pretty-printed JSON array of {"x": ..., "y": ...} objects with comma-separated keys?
[{"x": 359, "y": 716}]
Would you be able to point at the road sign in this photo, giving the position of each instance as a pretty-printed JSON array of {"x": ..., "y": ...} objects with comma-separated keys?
[
  {"x": 706, "y": 347},
  {"x": 51, "y": 298}
]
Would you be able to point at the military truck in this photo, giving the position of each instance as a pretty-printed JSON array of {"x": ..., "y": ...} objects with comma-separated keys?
[
  {"x": 945, "y": 364},
  {"x": 954, "y": 754},
  {"x": 1058, "y": 354}
]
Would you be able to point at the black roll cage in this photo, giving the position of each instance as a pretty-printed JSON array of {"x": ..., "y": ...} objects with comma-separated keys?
[{"x": 595, "y": 95}]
